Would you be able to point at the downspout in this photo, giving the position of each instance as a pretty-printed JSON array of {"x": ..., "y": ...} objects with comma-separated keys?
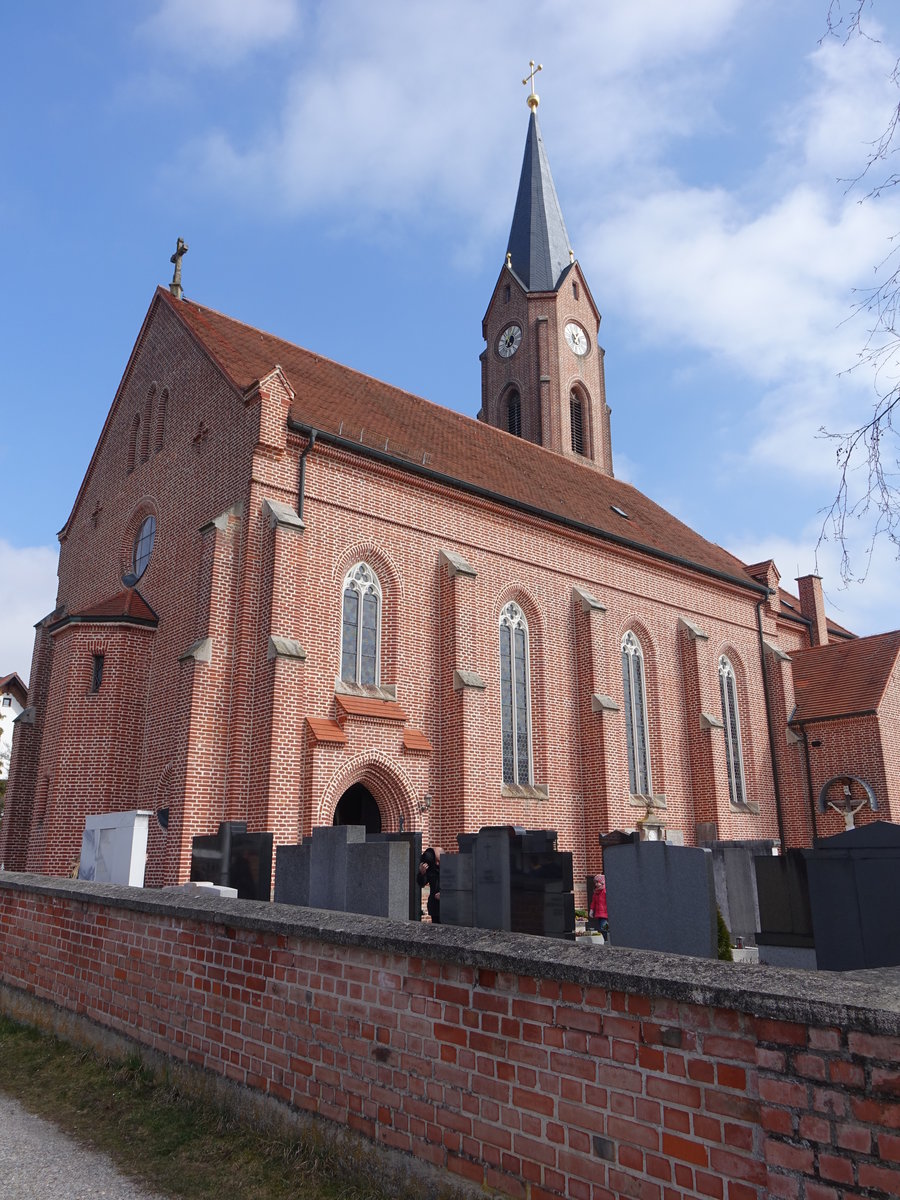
[
  {"x": 301, "y": 486},
  {"x": 809, "y": 782},
  {"x": 765, "y": 679}
]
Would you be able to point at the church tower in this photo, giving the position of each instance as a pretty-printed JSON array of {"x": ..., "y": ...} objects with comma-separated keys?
[{"x": 542, "y": 370}]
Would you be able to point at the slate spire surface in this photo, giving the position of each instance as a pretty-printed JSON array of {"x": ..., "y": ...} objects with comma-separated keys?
[{"x": 538, "y": 242}]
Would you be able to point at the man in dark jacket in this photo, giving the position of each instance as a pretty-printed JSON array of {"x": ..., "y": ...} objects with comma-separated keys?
[{"x": 430, "y": 874}]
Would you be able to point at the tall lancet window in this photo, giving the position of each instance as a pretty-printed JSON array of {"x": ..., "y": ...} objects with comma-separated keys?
[
  {"x": 515, "y": 696},
  {"x": 361, "y": 627},
  {"x": 514, "y": 414},
  {"x": 633, "y": 681},
  {"x": 734, "y": 754},
  {"x": 576, "y": 417}
]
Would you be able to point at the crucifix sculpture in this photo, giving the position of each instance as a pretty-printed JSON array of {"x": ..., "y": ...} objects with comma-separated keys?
[
  {"x": 181, "y": 250},
  {"x": 533, "y": 98}
]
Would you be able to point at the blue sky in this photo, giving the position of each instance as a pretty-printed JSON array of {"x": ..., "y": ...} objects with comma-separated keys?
[{"x": 344, "y": 174}]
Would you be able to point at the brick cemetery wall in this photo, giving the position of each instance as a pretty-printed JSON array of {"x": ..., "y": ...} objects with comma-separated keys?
[{"x": 533, "y": 1066}]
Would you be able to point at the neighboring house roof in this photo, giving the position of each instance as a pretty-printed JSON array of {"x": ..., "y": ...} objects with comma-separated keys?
[
  {"x": 13, "y": 685},
  {"x": 128, "y": 605},
  {"x": 538, "y": 241},
  {"x": 375, "y": 417},
  {"x": 845, "y": 678}
]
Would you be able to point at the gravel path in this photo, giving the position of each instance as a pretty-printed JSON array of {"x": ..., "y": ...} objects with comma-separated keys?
[{"x": 38, "y": 1162}]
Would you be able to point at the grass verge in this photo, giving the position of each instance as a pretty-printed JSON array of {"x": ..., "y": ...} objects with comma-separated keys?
[{"x": 178, "y": 1144}]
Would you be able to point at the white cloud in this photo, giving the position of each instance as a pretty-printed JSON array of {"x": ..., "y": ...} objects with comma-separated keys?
[
  {"x": 220, "y": 31},
  {"x": 29, "y": 593},
  {"x": 386, "y": 114}
]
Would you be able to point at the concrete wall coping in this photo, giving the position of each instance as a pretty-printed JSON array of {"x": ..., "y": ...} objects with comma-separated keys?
[{"x": 808, "y": 997}]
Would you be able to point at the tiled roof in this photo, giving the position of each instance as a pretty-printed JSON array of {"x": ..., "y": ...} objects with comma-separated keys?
[
  {"x": 370, "y": 706},
  {"x": 845, "y": 677},
  {"x": 338, "y": 401},
  {"x": 326, "y": 730},
  {"x": 414, "y": 739},
  {"x": 127, "y": 605}
]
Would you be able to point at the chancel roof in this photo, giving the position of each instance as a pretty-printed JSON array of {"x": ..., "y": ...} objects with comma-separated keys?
[
  {"x": 425, "y": 437},
  {"x": 843, "y": 678},
  {"x": 538, "y": 242}
]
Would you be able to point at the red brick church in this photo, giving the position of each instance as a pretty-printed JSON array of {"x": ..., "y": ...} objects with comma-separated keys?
[{"x": 294, "y": 595}]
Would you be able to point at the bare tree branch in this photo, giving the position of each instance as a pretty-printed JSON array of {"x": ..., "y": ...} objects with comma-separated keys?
[{"x": 868, "y": 457}]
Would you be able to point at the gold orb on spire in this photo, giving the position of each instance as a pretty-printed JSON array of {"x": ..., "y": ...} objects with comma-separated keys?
[{"x": 533, "y": 99}]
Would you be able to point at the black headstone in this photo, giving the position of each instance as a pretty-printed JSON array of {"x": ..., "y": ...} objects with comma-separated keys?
[{"x": 854, "y": 892}]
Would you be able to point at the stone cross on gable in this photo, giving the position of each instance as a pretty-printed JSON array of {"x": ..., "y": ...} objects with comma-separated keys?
[{"x": 181, "y": 250}]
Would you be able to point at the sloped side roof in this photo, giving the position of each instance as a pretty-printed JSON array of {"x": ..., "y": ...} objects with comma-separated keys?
[
  {"x": 127, "y": 605},
  {"x": 334, "y": 399},
  {"x": 538, "y": 241},
  {"x": 844, "y": 678},
  {"x": 13, "y": 684}
]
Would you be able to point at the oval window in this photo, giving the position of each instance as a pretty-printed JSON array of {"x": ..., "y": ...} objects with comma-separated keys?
[{"x": 143, "y": 545}]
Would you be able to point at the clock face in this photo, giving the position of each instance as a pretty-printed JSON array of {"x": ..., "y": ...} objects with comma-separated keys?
[
  {"x": 577, "y": 338},
  {"x": 508, "y": 342}
]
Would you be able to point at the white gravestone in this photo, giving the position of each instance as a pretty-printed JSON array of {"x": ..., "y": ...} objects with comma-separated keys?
[{"x": 114, "y": 848}]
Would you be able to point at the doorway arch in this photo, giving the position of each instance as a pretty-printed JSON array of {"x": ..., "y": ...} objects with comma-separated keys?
[{"x": 358, "y": 806}]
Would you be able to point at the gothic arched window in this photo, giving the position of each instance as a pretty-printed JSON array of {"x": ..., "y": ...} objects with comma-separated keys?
[
  {"x": 515, "y": 696},
  {"x": 636, "y": 736},
  {"x": 514, "y": 414},
  {"x": 734, "y": 754},
  {"x": 361, "y": 627},
  {"x": 576, "y": 418},
  {"x": 133, "y": 441}
]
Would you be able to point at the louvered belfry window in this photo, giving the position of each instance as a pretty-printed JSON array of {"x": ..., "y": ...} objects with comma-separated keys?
[
  {"x": 361, "y": 627},
  {"x": 514, "y": 414},
  {"x": 633, "y": 681},
  {"x": 734, "y": 755},
  {"x": 576, "y": 418},
  {"x": 515, "y": 698}
]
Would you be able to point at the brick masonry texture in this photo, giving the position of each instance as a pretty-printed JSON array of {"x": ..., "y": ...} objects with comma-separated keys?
[{"x": 538, "y": 1069}]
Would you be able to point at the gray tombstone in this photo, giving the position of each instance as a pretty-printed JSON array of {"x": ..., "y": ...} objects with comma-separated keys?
[
  {"x": 735, "y": 877},
  {"x": 456, "y": 890},
  {"x": 414, "y": 845},
  {"x": 854, "y": 889},
  {"x": 378, "y": 879},
  {"x": 328, "y": 864},
  {"x": 785, "y": 937},
  {"x": 661, "y": 898},
  {"x": 292, "y": 871},
  {"x": 490, "y": 878}
]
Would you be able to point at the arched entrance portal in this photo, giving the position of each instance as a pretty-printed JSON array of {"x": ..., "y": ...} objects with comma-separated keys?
[{"x": 358, "y": 806}]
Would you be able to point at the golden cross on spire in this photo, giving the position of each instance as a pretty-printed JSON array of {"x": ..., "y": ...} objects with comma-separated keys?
[{"x": 533, "y": 98}]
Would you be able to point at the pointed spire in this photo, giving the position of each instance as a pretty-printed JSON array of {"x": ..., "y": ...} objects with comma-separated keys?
[{"x": 538, "y": 249}]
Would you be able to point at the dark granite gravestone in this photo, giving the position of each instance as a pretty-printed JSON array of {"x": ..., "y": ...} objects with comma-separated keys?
[
  {"x": 328, "y": 876},
  {"x": 509, "y": 878},
  {"x": 378, "y": 879},
  {"x": 785, "y": 937},
  {"x": 542, "y": 899},
  {"x": 661, "y": 898},
  {"x": 854, "y": 893},
  {"x": 234, "y": 858},
  {"x": 490, "y": 877},
  {"x": 456, "y": 890},
  {"x": 414, "y": 842},
  {"x": 292, "y": 874}
]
